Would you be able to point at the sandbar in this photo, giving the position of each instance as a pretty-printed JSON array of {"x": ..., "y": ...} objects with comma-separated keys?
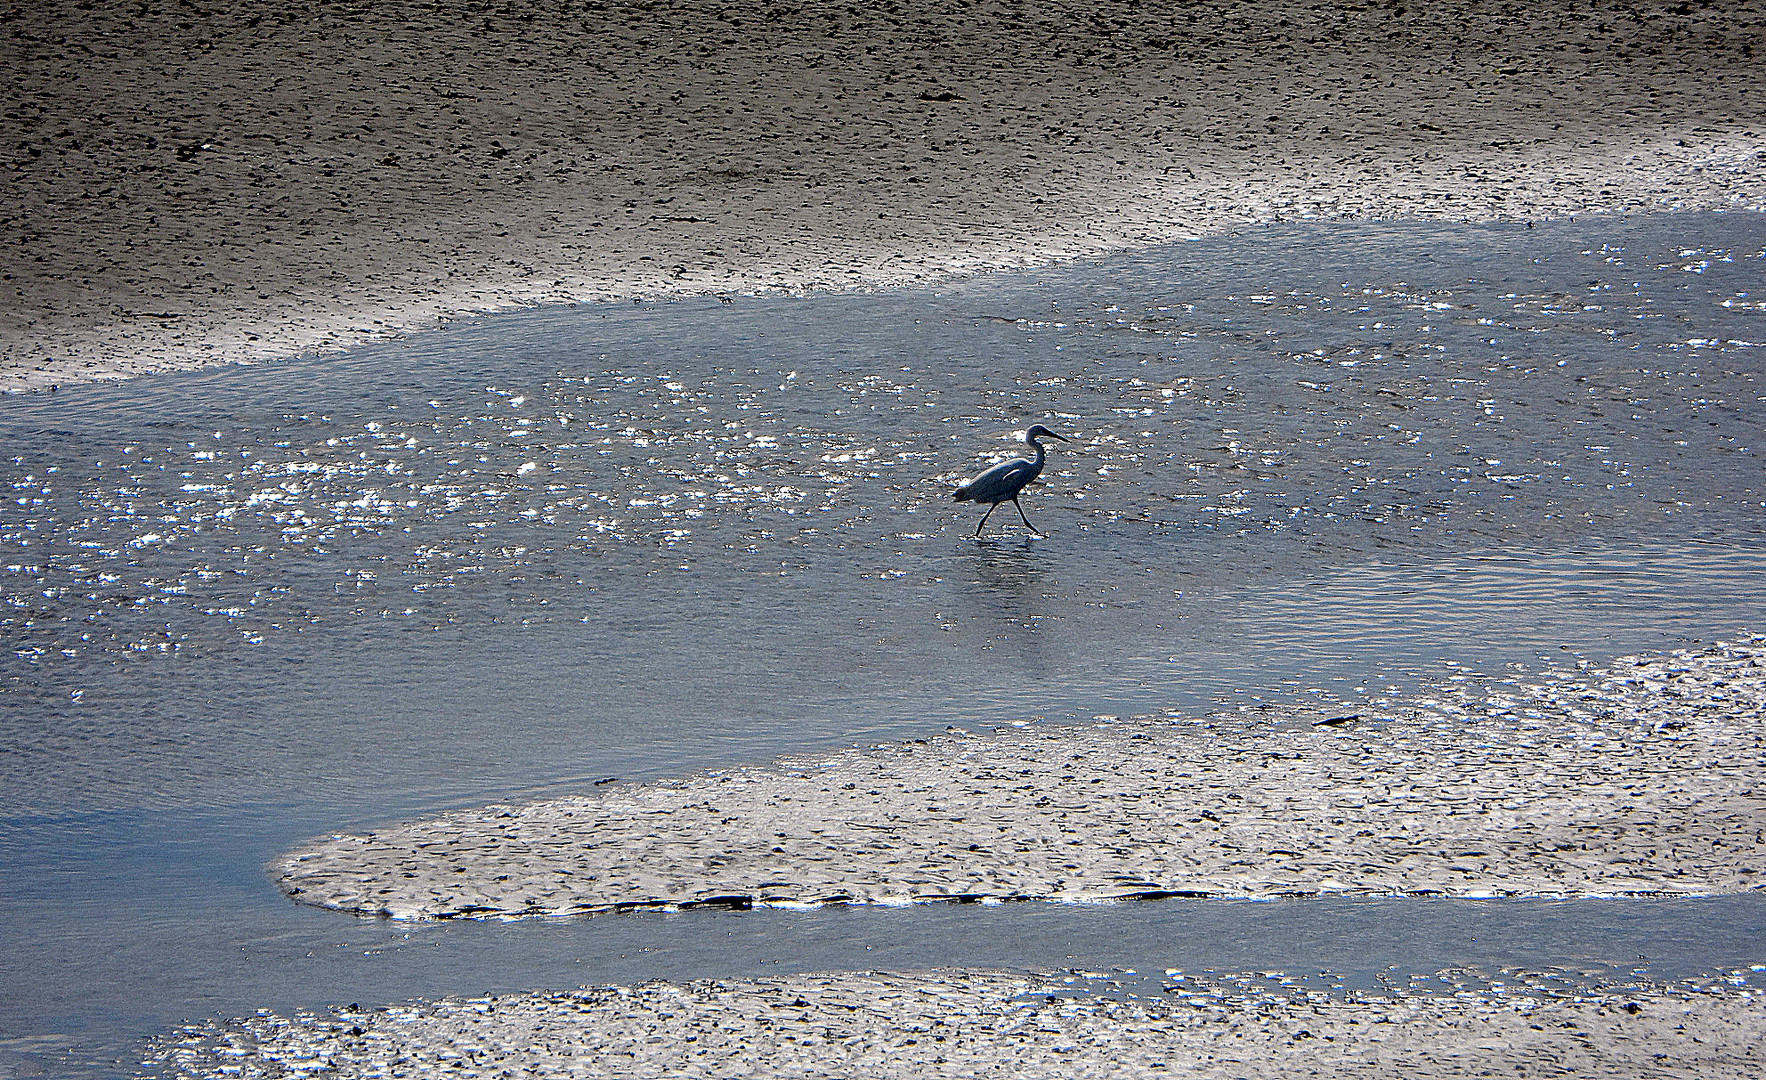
[{"x": 1643, "y": 778}]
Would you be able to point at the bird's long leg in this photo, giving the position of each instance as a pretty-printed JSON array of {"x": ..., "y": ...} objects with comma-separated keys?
[
  {"x": 985, "y": 516},
  {"x": 1027, "y": 523}
]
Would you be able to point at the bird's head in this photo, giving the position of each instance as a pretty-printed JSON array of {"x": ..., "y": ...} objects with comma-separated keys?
[{"x": 1037, "y": 431}]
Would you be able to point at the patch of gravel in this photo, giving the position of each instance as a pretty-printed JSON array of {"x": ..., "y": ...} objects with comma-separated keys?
[
  {"x": 989, "y": 1024},
  {"x": 1647, "y": 777}
]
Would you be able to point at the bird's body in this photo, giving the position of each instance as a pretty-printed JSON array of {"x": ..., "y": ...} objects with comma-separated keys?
[{"x": 1004, "y": 481}]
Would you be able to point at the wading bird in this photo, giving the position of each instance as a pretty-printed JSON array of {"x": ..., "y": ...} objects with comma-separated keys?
[{"x": 1005, "y": 480}]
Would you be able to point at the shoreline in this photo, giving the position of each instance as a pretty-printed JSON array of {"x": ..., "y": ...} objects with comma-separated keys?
[
  {"x": 205, "y": 185},
  {"x": 1643, "y": 778},
  {"x": 1646, "y": 752}
]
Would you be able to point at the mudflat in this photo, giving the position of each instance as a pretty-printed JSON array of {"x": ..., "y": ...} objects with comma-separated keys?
[{"x": 200, "y": 182}]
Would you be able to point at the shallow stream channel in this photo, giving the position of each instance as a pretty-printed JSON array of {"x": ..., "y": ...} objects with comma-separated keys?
[{"x": 1309, "y": 465}]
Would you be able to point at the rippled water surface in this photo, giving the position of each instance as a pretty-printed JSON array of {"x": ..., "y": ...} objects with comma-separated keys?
[{"x": 245, "y": 606}]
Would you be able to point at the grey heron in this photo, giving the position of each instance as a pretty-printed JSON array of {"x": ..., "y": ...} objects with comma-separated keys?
[{"x": 1005, "y": 480}]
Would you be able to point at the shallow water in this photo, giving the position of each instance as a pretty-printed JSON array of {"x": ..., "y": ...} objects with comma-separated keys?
[{"x": 1308, "y": 463}]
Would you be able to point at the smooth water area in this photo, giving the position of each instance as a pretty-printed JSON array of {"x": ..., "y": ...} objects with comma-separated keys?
[{"x": 1308, "y": 464}]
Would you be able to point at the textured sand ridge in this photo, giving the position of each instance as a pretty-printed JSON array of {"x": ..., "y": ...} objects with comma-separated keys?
[
  {"x": 981, "y": 1024},
  {"x": 197, "y": 181},
  {"x": 1645, "y": 778}
]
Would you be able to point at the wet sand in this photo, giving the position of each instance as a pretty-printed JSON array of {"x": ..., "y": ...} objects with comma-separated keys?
[
  {"x": 1646, "y": 778},
  {"x": 969, "y": 1024},
  {"x": 204, "y": 182},
  {"x": 1640, "y": 778}
]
